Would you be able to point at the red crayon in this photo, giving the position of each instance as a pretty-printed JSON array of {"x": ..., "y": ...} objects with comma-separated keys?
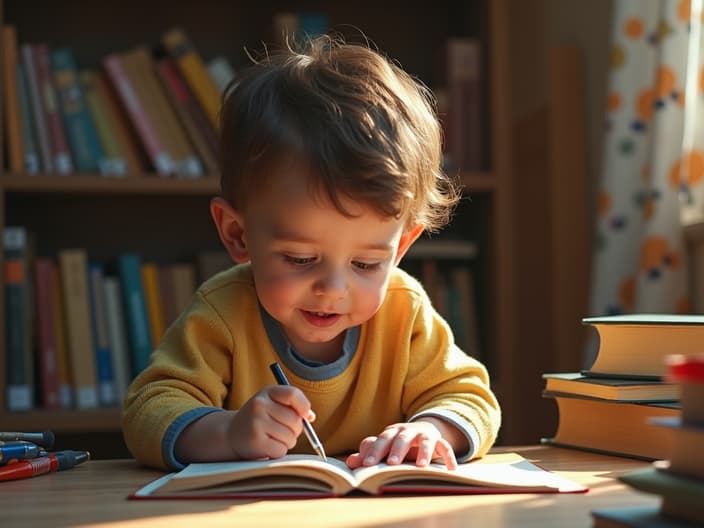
[{"x": 57, "y": 461}]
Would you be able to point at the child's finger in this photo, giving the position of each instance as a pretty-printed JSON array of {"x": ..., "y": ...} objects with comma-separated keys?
[{"x": 291, "y": 397}]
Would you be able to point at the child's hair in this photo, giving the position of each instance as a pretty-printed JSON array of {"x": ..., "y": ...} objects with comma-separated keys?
[{"x": 366, "y": 129}]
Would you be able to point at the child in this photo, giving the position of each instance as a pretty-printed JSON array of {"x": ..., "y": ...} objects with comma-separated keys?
[{"x": 330, "y": 163}]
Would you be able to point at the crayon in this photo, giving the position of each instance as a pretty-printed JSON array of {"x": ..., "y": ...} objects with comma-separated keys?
[{"x": 57, "y": 461}]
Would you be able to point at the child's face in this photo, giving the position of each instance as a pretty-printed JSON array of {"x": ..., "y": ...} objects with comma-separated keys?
[{"x": 317, "y": 271}]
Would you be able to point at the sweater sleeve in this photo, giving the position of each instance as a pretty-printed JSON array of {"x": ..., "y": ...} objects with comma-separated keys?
[
  {"x": 445, "y": 382},
  {"x": 188, "y": 373}
]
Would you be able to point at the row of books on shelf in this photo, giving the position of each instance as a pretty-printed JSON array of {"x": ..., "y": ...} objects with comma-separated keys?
[
  {"x": 77, "y": 329},
  {"x": 146, "y": 109},
  {"x": 154, "y": 107},
  {"x": 444, "y": 266}
]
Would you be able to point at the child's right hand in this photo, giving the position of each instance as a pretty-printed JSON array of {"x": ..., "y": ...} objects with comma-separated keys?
[{"x": 269, "y": 424}]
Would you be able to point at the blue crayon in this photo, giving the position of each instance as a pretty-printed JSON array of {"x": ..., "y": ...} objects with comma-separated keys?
[{"x": 19, "y": 450}]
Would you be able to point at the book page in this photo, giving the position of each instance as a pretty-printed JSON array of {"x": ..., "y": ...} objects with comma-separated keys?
[
  {"x": 334, "y": 474},
  {"x": 494, "y": 472}
]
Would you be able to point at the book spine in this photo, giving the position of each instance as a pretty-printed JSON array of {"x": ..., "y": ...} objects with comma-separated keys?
[
  {"x": 130, "y": 273},
  {"x": 164, "y": 117},
  {"x": 193, "y": 69},
  {"x": 107, "y": 393},
  {"x": 32, "y": 163},
  {"x": 113, "y": 163},
  {"x": 74, "y": 275},
  {"x": 11, "y": 99},
  {"x": 132, "y": 150},
  {"x": 83, "y": 138},
  {"x": 117, "y": 328},
  {"x": 183, "y": 103},
  {"x": 37, "y": 106},
  {"x": 158, "y": 155},
  {"x": 61, "y": 155},
  {"x": 63, "y": 362},
  {"x": 46, "y": 333},
  {"x": 18, "y": 347},
  {"x": 154, "y": 301},
  {"x": 464, "y": 104}
]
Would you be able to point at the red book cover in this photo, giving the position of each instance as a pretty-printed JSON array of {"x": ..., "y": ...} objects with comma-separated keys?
[
  {"x": 60, "y": 152},
  {"x": 46, "y": 334},
  {"x": 127, "y": 93}
]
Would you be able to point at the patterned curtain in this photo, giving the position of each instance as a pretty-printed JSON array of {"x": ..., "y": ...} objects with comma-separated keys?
[{"x": 653, "y": 164}]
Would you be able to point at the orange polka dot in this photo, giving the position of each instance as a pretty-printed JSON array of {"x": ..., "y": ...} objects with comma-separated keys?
[
  {"x": 652, "y": 253},
  {"x": 665, "y": 81},
  {"x": 684, "y": 10},
  {"x": 701, "y": 80},
  {"x": 644, "y": 105},
  {"x": 613, "y": 101},
  {"x": 633, "y": 27}
]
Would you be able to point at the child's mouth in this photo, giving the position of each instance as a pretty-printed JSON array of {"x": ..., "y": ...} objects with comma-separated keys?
[{"x": 322, "y": 319}]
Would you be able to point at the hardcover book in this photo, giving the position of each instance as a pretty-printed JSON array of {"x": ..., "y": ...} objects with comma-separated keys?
[
  {"x": 619, "y": 389},
  {"x": 612, "y": 427},
  {"x": 636, "y": 344},
  {"x": 310, "y": 476}
]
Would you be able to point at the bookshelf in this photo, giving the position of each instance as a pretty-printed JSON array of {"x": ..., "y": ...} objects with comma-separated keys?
[{"x": 167, "y": 219}]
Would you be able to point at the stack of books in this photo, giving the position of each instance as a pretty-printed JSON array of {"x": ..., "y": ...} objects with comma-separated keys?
[
  {"x": 608, "y": 408},
  {"x": 679, "y": 480}
]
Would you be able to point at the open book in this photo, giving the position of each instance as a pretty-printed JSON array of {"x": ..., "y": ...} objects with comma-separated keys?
[{"x": 308, "y": 475}]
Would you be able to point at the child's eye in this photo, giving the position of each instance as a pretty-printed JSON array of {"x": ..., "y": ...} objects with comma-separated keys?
[
  {"x": 366, "y": 266},
  {"x": 298, "y": 261}
]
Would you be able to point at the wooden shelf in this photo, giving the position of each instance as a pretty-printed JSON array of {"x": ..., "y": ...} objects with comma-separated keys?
[
  {"x": 91, "y": 184},
  {"x": 63, "y": 421}
]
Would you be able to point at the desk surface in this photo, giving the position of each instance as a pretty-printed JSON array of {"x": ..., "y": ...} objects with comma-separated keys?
[{"x": 94, "y": 494}]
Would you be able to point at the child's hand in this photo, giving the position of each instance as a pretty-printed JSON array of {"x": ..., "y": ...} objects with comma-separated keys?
[
  {"x": 269, "y": 424},
  {"x": 421, "y": 440}
]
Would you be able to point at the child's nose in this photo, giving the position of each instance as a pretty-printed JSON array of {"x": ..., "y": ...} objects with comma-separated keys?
[{"x": 331, "y": 281}]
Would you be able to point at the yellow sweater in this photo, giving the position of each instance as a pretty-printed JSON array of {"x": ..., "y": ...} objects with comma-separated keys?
[{"x": 217, "y": 355}]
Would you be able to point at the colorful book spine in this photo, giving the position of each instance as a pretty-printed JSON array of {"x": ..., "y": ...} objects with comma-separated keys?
[
  {"x": 11, "y": 99},
  {"x": 82, "y": 136},
  {"x": 58, "y": 142},
  {"x": 133, "y": 152},
  {"x": 107, "y": 393},
  {"x": 36, "y": 103},
  {"x": 154, "y": 300},
  {"x": 193, "y": 69},
  {"x": 32, "y": 163},
  {"x": 63, "y": 362},
  {"x": 18, "y": 345},
  {"x": 126, "y": 90},
  {"x": 193, "y": 120},
  {"x": 112, "y": 163},
  {"x": 117, "y": 328},
  {"x": 46, "y": 333},
  {"x": 130, "y": 273},
  {"x": 141, "y": 64},
  {"x": 73, "y": 264}
]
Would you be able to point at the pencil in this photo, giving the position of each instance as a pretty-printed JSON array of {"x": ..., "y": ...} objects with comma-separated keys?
[{"x": 307, "y": 427}]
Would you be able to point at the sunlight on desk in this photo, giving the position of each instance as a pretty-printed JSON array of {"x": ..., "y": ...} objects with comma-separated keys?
[{"x": 95, "y": 495}]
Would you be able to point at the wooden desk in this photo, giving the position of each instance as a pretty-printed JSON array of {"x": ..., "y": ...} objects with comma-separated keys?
[{"x": 94, "y": 494}]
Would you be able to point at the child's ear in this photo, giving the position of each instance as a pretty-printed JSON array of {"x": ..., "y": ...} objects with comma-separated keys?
[
  {"x": 407, "y": 238},
  {"x": 230, "y": 225}
]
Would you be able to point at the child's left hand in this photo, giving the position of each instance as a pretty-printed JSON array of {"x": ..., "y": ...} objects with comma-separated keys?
[{"x": 421, "y": 440}]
